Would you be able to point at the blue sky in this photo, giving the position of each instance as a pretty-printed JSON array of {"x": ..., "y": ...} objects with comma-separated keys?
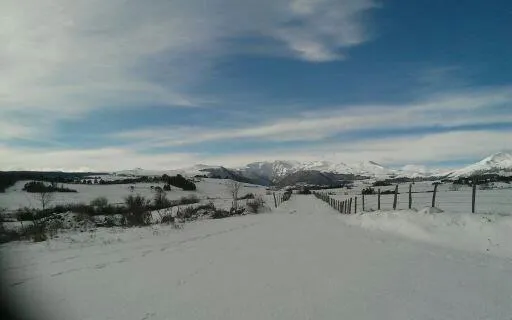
[{"x": 164, "y": 84}]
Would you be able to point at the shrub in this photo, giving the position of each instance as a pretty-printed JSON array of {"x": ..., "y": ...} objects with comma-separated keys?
[
  {"x": 381, "y": 183},
  {"x": 304, "y": 191},
  {"x": 100, "y": 202},
  {"x": 191, "y": 199},
  {"x": 38, "y": 187},
  {"x": 368, "y": 190},
  {"x": 256, "y": 205},
  {"x": 138, "y": 214},
  {"x": 167, "y": 187},
  {"x": 180, "y": 182},
  {"x": 247, "y": 196},
  {"x": 220, "y": 214},
  {"x": 160, "y": 200}
]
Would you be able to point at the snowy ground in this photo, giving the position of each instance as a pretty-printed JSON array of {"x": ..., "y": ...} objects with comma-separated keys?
[
  {"x": 495, "y": 201},
  {"x": 207, "y": 189},
  {"x": 302, "y": 261}
]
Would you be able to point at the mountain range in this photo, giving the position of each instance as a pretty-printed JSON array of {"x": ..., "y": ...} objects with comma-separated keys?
[{"x": 284, "y": 173}]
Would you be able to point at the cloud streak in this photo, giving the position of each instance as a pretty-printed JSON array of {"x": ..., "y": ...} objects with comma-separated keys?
[{"x": 477, "y": 108}]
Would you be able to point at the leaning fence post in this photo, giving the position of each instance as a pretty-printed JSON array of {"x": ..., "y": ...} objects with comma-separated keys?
[
  {"x": 410, "y": 196},
  {"x": 350, "y": 206},
  {"x": 395, "y": 200},
  {"x": 434, "y": 196},
  {"x": 275, "y": 200},
  {"x": 378, "y": 200},
  {"x": 355, "y": 205},
  {"x": 473, "y": 199}
]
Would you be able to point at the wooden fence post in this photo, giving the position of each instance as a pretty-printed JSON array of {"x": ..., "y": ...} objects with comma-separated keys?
[
  {"x": 350, "y": 206},
  {"x": 275, "y": 201},
  {"x": 363, "y": 201},
  {"x": 378, "y": 200},
  {"x": 473, "y": 199},
  {"x": 355, "y": 205},
  {"x": 410, "y": 196},
  {"x": 343, "y": 207},
  {"x": 395, "y": 200},
  {"x": 434, "y": 196}
]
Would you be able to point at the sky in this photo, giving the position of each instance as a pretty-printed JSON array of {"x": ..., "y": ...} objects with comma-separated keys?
[{"x": 159, "y": 84}]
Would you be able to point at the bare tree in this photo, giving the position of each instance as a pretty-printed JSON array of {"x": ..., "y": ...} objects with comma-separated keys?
[
  {"x": 45, "y": 197},
  {"x": 234, "y": 188}
]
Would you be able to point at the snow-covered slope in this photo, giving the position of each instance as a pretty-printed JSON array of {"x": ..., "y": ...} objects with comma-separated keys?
[{"x": 500, "y": 162}]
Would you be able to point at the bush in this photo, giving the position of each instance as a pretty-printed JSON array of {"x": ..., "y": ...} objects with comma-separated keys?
[
  {"x": 160, "y": 200},
  {"x": 304, "y": 191},
  {"x": 220, "y": 214},
  {"x": 368, "y": 190},
  {"x": 247, "y": 196},
  {"x": 167, "y": 187},
  {"x": 138, "y": 214},
  {"x": 191, "y": 199},
  {"x": 382, "y": 184},
  {"x": 256, "y": 205},
  {"x": 180, "y": 182},
  {"x": 38, "y": 187},
  {"x": 100, "y": 202}
]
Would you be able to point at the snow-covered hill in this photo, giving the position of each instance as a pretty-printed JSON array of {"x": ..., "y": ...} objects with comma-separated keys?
[
  {"x": 500, "y": 163},
  {"x": 272, "y": 172}
]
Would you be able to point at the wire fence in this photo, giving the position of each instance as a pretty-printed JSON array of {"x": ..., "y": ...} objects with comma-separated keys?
[{"x": 401, "y": 197}]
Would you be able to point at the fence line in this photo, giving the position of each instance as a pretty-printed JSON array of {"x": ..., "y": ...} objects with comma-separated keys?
[{"x": 459, "y": 201}]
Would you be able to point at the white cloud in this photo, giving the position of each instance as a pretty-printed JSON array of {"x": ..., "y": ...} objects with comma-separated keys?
[
  {"x": 62, "y": 58},
  {"x": 391, "y": 151},
  {"x": 445, "y": 111}
]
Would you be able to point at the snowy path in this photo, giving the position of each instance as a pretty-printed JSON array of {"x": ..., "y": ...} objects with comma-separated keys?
[{"x": 305, "y": 265}]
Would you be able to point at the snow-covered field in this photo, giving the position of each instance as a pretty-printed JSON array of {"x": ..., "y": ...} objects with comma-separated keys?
[
  {"x": 215, "y": 189},
  {"x": 301, "y": 261},
  {"x": 495, "y": 201}
]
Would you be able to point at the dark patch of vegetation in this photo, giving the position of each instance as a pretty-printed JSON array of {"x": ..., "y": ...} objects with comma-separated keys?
[
  {"x": 304, "y": 191},
  {"x": 180, "y": 182},
  {"x": 247, "y": 196},
  {"x": 256, "y": 205},
  {"x": 9, "y": 178},
  {"x": 368, "y": 190},
  {"x": 191, "y": 199},
  {"x": 388, "y": 192},
  {"x": 383, "y": 183},
  {"x": 482, "y": 179},
  {"x": 138, "y": 210},
  {"x": 142, "y": 179},
  {"x": 39, "y": 187}
]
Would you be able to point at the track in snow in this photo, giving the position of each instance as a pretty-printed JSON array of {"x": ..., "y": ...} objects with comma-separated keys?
[{"x": 299, "y": 262}]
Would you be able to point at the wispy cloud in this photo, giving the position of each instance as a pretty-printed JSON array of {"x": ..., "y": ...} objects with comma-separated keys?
[
  {"x": 478, "y": 107},
  {"x": 424, "y": 149},
  {"x": 64, "y": 58}
]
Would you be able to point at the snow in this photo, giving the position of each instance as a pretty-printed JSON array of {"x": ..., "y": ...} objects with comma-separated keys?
[
  {"x": 312, "y": 264},
  {"x": 500, "y": 162},
  {"x": 207, "y": 189}
]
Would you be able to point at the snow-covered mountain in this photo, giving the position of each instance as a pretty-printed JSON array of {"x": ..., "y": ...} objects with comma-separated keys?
[
  {"x": 280, "y": 171},
  {"x": 500, "y": 163}
]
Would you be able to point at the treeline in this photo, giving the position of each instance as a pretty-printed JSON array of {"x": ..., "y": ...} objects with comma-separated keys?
[
  {"x": 482, "y": 179},
  {"x": 180, "y": 182},
  {"x": 40, "y": 187},
  {"x": 9, "y": 178}
]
